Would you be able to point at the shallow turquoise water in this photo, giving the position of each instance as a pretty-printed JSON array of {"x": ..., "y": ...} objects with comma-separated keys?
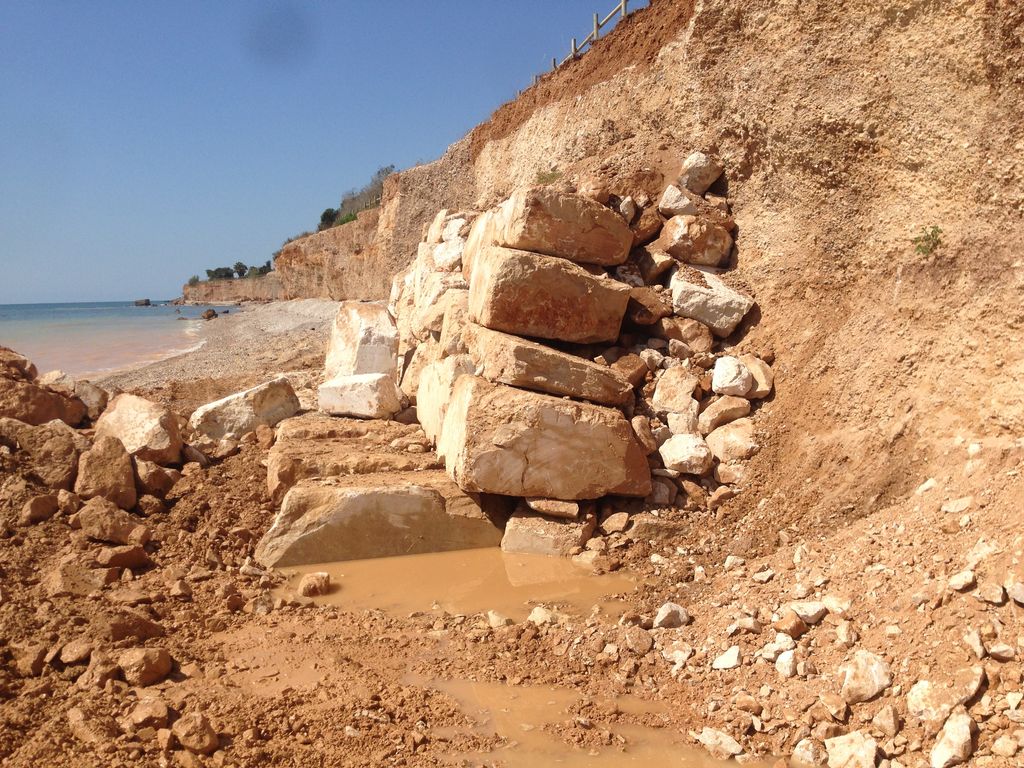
[{"x": 96, "y": 337}]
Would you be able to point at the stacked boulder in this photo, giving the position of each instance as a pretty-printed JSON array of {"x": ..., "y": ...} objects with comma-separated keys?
[{"x": 560, "y": 348}]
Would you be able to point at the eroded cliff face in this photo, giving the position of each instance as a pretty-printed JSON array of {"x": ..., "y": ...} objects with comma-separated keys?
[
  {"x": 337, "y": 263},
  {"x": 265, "y": 288}
]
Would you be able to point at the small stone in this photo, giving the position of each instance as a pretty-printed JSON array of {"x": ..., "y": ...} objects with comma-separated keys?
[
  {"x": 37, "y": 509},
  {"x": 150, "y": 713},
  {"x": 763, "y": 577},
  {"x": 314, "y": 584},
  {"x": 639, "y": 640},
  {"x": 1001, "y": 652},
  {"x": 129, "y": 556},
  {"x": 29, "y": 659},
  {"x": 497, "y": 620},
  {"x": 734, "y": 561},
  {"x": 852, "y": 750},
  {"x": 810, "y": 612},
  {"x": 809, "y": 753},
  {"x": 76, "y": 652},
  {"x": 790, "y": 624},
  {"x": 1005, "y": 746},
  {"x": 887, "y": 720},
  {"x": 731, "y": 377},
  {"x": 670, "y": 616},
  {"x": 785, "y": 664},
  {"x": 990, "y": 592},
  {"x": 962, "y": 581},
  {"x": 616, "y": 522},
  {"x": 719, "y": 744},
  {"x": 972, "y": 638},
  {"x": 1016, "y": 592},
  {"x": 954, "y": 744},
  {"x": 541, "y": 616},
  {"x": 145, "y": 666},
  {"x": 194, "y": 732},
  {"x": 568, "y": 510},
  {"x": 730, "y": 659},
  {"x": 864, "y": 677}
]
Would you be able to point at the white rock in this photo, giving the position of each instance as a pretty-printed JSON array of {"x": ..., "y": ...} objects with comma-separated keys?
[
  {"x": 674, "y": 391},
  {"x": 699, "y": 172},
  {"x": 731, "y": 377},
  {"x": 435, "y": 390},
  {"x": 541, "y": 616},
  {"x": 670, "y": 616},
  {"x": 675, "y": 203},
  {"x": 863, "y": 677},
  {"x": 962, "y": 581},
  {"x": 953, "y": 745},
  {"x": 233, "y": 416},
  {"x": 685, "y": 422},
  {"x": 147, "y": 430},
  {"x": 367, "y": 395},
  {"x": 720, "y": 744},
  {"x": 852, "y": 750},
  {"x": 733, "y": 441},
  {"x": 932, "y": 703},
  {"x": 730, "y": 659},
  {"x": 785, "y": 664},
  {"x": 686, "y": 453},
  {"x": 707, "y": 299},
  {"x": 809, "y": 753},
  {"x": 809, "y": 611},
  {"x": 364, "y": 340},
  {"x": 1005, "y": 746}
]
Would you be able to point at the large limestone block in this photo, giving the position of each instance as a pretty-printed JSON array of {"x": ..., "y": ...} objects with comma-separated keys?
[
  {"x": 674, "y": 391},
  {"x": 497, "y": 439},
  {"x": 242, "y": 412},
  {"x": 456, "y": 316},
  {"x": 544, "y": 297},
  {"x": 366, "y": 395},
  {"x": 531, "y": 534},
  {"x": 544, "y": 220},
  {"x": 318, "y": 524},
  {"x": 53, "y": 449},
  {"x": 422, "y": 356},
  {"x": 106, "y": 470},
  {"x": 695, "y": 241},
  {"x": 364, "y": 340},
  {"x": 704, "y": 297},
  {"x": 146, "y": 429},
  {"x": 521, "y": 363},
  {"x": 432, "y": 301},
  {"x": 435, "y": 390}
]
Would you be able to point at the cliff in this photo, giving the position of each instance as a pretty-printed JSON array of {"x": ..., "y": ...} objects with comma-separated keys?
[{"x": 266, "y": 288}]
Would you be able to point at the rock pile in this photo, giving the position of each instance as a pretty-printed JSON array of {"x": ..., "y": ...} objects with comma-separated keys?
[{"x": 560, "y": 347}]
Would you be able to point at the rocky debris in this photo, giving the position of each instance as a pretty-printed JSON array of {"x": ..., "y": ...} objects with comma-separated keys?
[
  {"x": 686, "y": 453},
  {"x": 674, "y": 391},
  {"x": 147, "y": 430},
  {"x": 25, "y": 399},
  {"x": 728, "y": 659},
  {"x": 704, "y": 297},
  {"x": 722, "y": 411},
  {"x": 497, "y": 439},
  {"x": 106, "y": 470},
  {"x": 529, "y": 533},
  {"x": 145, "y": 666},
  {"x": 320, "y": 523},
  {"x": 527, "y": 294},
  {"x": 932, "y": 703},
  {"x": 101, "y": 520},
  {"x": 671, "y": 616},
  {"x": 52, "y": 450},
  {"x": 501, "y": 357},
  {"x": 315, "y": 584},
  {"x": 733, "y": 442},
  {"x": 546, "y": 221},
  {"x": 194, "y": 732},
  {"x": 235, "y": 415}
]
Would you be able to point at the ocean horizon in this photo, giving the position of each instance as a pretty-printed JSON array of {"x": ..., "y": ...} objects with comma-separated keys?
[{"x": 92, "y": 339}]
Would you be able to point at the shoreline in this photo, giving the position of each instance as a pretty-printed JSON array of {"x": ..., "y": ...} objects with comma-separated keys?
[{"x": 236, "y": 351}]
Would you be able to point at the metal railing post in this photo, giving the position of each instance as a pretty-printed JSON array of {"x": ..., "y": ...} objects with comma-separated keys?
[
  {"x": 597, "y": 29},
  {"x": 625, "y": 12}
]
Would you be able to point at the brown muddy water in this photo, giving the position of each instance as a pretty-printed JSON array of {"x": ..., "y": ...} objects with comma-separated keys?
[{"x": 466, "y": 581}]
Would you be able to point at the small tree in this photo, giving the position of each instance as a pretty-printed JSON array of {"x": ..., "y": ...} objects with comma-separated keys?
[
  {"x": 194, "y": 280},
  {"x": 327, "y": 219},
  {"x": 240, "y": 269}
]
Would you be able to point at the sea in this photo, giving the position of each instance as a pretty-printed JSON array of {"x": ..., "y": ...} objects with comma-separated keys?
[{"x": 90, "y": 339}]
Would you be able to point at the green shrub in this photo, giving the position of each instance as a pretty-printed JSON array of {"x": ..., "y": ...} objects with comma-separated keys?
[
  {"x": 929, "y": 239},
  {"x": 547, "y": 177},
  {"x": 194, "y": 280}
]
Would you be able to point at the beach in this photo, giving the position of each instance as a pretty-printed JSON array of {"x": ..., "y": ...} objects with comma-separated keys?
[{"x": 236, "y": 351}]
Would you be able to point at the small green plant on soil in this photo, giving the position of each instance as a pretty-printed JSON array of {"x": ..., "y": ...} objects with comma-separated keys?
[
  {"x": 929, "y": 239},
  {"x": 547, "y": 177}
]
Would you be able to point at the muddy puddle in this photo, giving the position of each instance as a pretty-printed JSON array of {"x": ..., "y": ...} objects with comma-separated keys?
[
  {"x": 464, "y": 582},
  {"x": 530, "y": 718}
]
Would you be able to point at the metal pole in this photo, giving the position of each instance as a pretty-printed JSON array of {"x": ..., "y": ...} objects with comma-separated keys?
[
  {"x": 554, "y": 63},
  {"x": 625, "y": 12},
  {"x": 597, "y": 29},
  {"x": 574, "y": 49}
]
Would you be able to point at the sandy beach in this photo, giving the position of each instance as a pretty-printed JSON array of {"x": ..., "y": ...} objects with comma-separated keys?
[{"x": 239, "y": 349}]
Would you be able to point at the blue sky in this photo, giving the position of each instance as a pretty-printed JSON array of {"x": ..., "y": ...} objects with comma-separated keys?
[{"x": 142, "y": 142}]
